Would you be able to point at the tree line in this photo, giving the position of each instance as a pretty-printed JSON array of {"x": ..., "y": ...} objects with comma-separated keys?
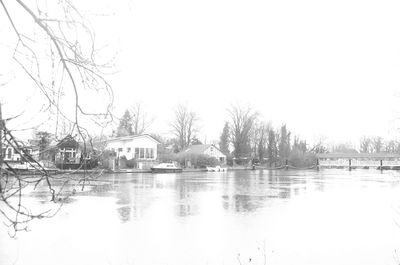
[{"x": 245, "y": 136}]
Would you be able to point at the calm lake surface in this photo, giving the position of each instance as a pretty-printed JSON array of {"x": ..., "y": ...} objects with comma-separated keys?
[{"x": 243, "y": 217}]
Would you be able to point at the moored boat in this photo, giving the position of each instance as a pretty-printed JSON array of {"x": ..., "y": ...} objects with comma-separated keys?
[
  {"x": 216, "y": 169},
  {"x": 171, "y": 167}
]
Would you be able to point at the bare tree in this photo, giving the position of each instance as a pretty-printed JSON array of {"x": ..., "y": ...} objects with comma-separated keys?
[
  {"x": 365, "y": 144},
  {"x": 319, "y": 146},
  {"x": 391, "y": 146},
  {"x": 261, "y": 140},
  {"x": 184, "y": 126},
  {"x": 55, "y": 48},
  {"x": 140, "y": 119},
  {"x": 57, "y": 52},
  {"x": 377, "y": 144},
  {"x": 241, "y": 123}
]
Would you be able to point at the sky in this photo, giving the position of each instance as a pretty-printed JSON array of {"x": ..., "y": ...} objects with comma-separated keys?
[{"x": 327, "y": 69}]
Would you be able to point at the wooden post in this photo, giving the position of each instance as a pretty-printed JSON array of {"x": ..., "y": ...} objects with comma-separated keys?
[
  {"x": 286, "y": 164},
  {"x": 381, "y": 167},
  {"x": 317, "y": 164},
  {"x": 350, "y": 164}
]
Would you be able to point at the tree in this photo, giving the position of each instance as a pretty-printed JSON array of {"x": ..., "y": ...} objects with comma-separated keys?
[
  {"x": 224, "y": 139},
  {"x": 125, "y": 125},
  {"x": 377, "y": 144},
  {"x": 284, "y": 143},
  {"x": 140, "y": 119},
  {"x": 299, "y": 145},
  {"x": 184, "y": 126},
  {"x": 344, "y": 148},
  {"x": 55, "y": 49},
  {"x": 365, "y": 144},
  {"x": 391, "y": 146},
  {"x": 260, "y": 140},
  {"x": 319, "y": 146},
  {"x": 272, "y": 150},
  {"x": 240, "y": 125},
  {"x": 43, "y": 140},
  {"x": 195, "y": 141},
  {"x": 57, "y": 52}
]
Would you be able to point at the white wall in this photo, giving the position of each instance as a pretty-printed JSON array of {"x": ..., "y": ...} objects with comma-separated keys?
[
  {"x": 214, "y": 152},
  {"x": 132, "y": 143},
  {"x": 14, "y": 155}
]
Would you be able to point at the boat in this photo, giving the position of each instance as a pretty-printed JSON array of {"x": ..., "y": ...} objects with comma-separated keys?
[
  {"x": 170, "y": 167},
  {"x": 216, "y": 169}
]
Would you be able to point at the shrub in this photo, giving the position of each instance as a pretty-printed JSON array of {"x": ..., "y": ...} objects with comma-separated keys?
[
  {"x": 242, "y": 161},
  {"x": 105, "y": 158},
  {"x": 131, "y": 163},
  {"x": 229, "y": 160},
  {"x": 302, "y": 159},
  {"x": 122, "y": 162}
]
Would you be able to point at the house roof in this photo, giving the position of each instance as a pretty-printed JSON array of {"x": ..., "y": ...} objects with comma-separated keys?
[
  {"x": 131, "y": 137},
  {"x": 197, "y": 149},
  {"x": 67, "y": 142},
  {"x": 358, "y": 155}
]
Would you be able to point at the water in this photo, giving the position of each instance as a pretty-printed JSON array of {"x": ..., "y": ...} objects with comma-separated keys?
[{"x": 243, "y": 217}]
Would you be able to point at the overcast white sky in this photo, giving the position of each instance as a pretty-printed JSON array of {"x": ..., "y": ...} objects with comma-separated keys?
[{"x": 327, "y": 68}]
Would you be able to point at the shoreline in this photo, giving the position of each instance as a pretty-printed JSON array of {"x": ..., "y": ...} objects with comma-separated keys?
[{"x": 189, "y": 170}]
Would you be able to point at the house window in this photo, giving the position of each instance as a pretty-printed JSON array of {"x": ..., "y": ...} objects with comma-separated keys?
[
  {"x": 120, "y": 149},
  {"x": 147, "y": 154},
  {"x": 128, "y": 150},
  {"x": 136, "y": 152},
  {"x": 113, "y": 149},
  {"x": 141, "y": 153},
  {"x": 151, "y": 153}
]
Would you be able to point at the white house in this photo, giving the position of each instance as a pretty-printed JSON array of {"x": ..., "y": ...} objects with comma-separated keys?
[
  {"x": 11, "y": 155},
  {"x": 142, "y": 148}
]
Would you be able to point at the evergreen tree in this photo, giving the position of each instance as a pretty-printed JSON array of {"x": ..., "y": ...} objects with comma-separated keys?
[
  {"x": 224, "y": 139},
  {"x": 284, "y": 143},
  {"x": 272, "y": 150},
  {"x": 125, "y": 125},
  {"x": 262, "y": 140},
  {"x": 43, "y": 140}
]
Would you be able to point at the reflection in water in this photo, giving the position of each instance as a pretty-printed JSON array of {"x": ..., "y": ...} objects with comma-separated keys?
[
  {"x": 243, "y": 203},
  {"x": 210, "y": 217},
  {"x": 124, "y": 213},
  {"x": 241, "y": 191}
]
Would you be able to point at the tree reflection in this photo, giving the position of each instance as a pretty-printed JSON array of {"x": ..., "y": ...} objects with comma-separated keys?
[{"x": 191, "y": 194}]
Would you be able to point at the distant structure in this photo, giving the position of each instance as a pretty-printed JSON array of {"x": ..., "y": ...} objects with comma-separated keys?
[
  {"x": 68, "y": 153},
  {"x": 205, "y": 149},
  {"x": 12, "y": 156},
  {"x": 359, "y": 160}
]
